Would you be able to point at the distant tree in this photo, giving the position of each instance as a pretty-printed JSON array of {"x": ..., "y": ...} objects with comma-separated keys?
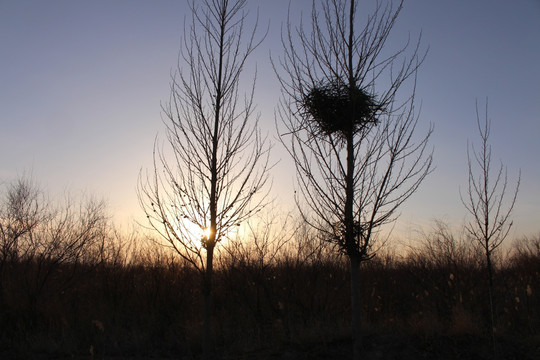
[
  {"x": 21, "y": 211},
  {"x": 41, "y": 237},
  {"x": 351, "y": 130},
  {"x": 488, "y": 203},
  {"x": 212, "y": 176}
]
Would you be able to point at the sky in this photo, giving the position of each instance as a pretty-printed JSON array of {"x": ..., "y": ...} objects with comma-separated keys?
[{"x": 82, "y": 82}]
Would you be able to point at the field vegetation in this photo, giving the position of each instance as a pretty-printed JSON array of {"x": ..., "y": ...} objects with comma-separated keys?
[{"x": 72, "y": 286}]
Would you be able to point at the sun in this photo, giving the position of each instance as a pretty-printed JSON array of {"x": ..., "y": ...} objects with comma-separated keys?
[{"x": 205, "y": 233}]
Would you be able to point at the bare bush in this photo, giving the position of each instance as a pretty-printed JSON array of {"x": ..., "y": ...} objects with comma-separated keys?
[
  {"x": 526, "y": 249},
  {"x": 442, "y": 248}
]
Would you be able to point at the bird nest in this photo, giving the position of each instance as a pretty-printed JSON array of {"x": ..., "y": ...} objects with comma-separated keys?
[{"x": 337, "y": 109}]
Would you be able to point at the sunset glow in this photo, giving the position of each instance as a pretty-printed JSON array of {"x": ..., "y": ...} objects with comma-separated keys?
[
  {"x": 327, "y": 179},
  {"x": 205, "y": 233},
  {"x": 82, "y": 85}
]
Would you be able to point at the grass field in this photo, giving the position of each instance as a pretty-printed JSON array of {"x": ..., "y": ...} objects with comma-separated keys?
[{"x": 430, "y": 303}]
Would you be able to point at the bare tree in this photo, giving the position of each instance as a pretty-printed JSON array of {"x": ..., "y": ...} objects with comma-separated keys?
[
  {"x": 41, "y": 240},
  {"x": 21, "y": 211},
  {"x": 212, "y": 177},
  {"x": 34, "y": 228},
  {"x": 486, "y": 200},
  {"x": 349, "y": 128}
]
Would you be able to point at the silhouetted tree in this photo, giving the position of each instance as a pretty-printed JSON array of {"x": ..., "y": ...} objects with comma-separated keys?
[
  {"x": 21, "y": 212},
  {"x": 211, "y": 179},
  {"x": 351, "y": 133},
  {"x": 41, "y": 237},
  {"x": 486, "y": 200}
]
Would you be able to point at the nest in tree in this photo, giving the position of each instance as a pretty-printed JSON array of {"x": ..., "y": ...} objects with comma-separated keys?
[{"x": 337, "y": 108}]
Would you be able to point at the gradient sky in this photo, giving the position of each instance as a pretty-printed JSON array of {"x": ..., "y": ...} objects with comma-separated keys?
[{"x": 81, "y": 84}]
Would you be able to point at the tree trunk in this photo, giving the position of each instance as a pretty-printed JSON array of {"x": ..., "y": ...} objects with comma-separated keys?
[
  {"x": 356, "y": 307},
  {"x": 353, "y": 247},
  {"x": 489, "y": 268},
  {"x": 207, "y": 314}
]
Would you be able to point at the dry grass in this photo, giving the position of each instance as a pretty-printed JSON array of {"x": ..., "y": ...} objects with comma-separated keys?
[{"x": 151, "y": 307}]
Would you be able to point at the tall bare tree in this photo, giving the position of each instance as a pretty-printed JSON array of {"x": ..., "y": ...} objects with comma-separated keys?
[
  {"x": 488, "y": 202},
  {"x": 349, "y": 127},
  {"x": 212, "y": 175}
]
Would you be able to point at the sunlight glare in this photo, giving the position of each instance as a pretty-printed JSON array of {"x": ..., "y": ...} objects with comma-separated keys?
[{"x": 205, "y": 233}]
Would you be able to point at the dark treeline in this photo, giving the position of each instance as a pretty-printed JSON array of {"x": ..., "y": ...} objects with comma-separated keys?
[{"x": 71, "y": 286}]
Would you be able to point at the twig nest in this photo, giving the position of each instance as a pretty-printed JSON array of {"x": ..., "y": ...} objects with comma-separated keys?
[{"x": 337, "y": 108}]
